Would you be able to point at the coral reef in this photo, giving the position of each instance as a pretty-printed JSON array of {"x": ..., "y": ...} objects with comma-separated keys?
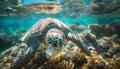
[
  {"x": 77, "y": 28},
  {"x": 116, "y": 26},
  {"x": 78, "y": 59},
  {"x": 63, "y": 64},
  {"x": 6, "y": 40},
  {"x": 101, "y": 30},
  {"x": 106, "y": 42}
]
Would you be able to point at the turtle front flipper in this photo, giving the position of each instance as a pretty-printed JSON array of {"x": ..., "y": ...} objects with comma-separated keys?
[
  {"x": 32, "y": 42},
  {"x": 78, "y": 41}
]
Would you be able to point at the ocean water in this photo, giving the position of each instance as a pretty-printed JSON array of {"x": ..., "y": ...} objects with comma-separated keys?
[
  {"x": 10, "y": 24},
  {"x": 102, "y": 22}
]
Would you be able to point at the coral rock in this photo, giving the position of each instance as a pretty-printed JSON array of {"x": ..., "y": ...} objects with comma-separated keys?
[{"x": 101, "y": 30}]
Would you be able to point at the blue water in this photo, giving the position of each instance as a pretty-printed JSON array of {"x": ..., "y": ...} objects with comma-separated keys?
[
  {"x": 87, "y": 2},
  {"x": 10, "y": 24},
  {"x": 13, "y": 24},
  {"x": 28, "y": 2}
]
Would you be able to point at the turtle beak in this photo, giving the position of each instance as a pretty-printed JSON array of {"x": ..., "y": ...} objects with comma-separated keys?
[{"x": 58, "y": 43}]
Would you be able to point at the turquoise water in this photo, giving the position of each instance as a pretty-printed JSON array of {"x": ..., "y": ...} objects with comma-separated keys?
[
  {"x": 26, "y": 2},
  {"x": 10, "y": 24}
]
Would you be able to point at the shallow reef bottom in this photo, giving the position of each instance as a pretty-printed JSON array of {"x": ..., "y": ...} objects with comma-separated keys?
[{"x": 103, "y": 42}]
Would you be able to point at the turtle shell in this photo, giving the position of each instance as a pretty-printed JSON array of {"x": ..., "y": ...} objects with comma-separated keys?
[{"x": 39, "y": 27}]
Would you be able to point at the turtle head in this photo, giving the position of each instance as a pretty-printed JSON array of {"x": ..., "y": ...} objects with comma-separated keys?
[{"x": 55, "y": 38}]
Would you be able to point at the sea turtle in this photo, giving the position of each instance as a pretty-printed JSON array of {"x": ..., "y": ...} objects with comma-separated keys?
[{"x": 53, "y": 33}]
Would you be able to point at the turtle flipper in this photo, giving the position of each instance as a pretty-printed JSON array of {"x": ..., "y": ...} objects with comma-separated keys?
[
  {"x": 79, "y": 42},
  {"x": 32, "y": 42}
]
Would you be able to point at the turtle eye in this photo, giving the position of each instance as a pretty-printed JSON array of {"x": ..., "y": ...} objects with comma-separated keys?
[
  {"x": 49, "y": 40},
  {"x": 60, "y": 40}
]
